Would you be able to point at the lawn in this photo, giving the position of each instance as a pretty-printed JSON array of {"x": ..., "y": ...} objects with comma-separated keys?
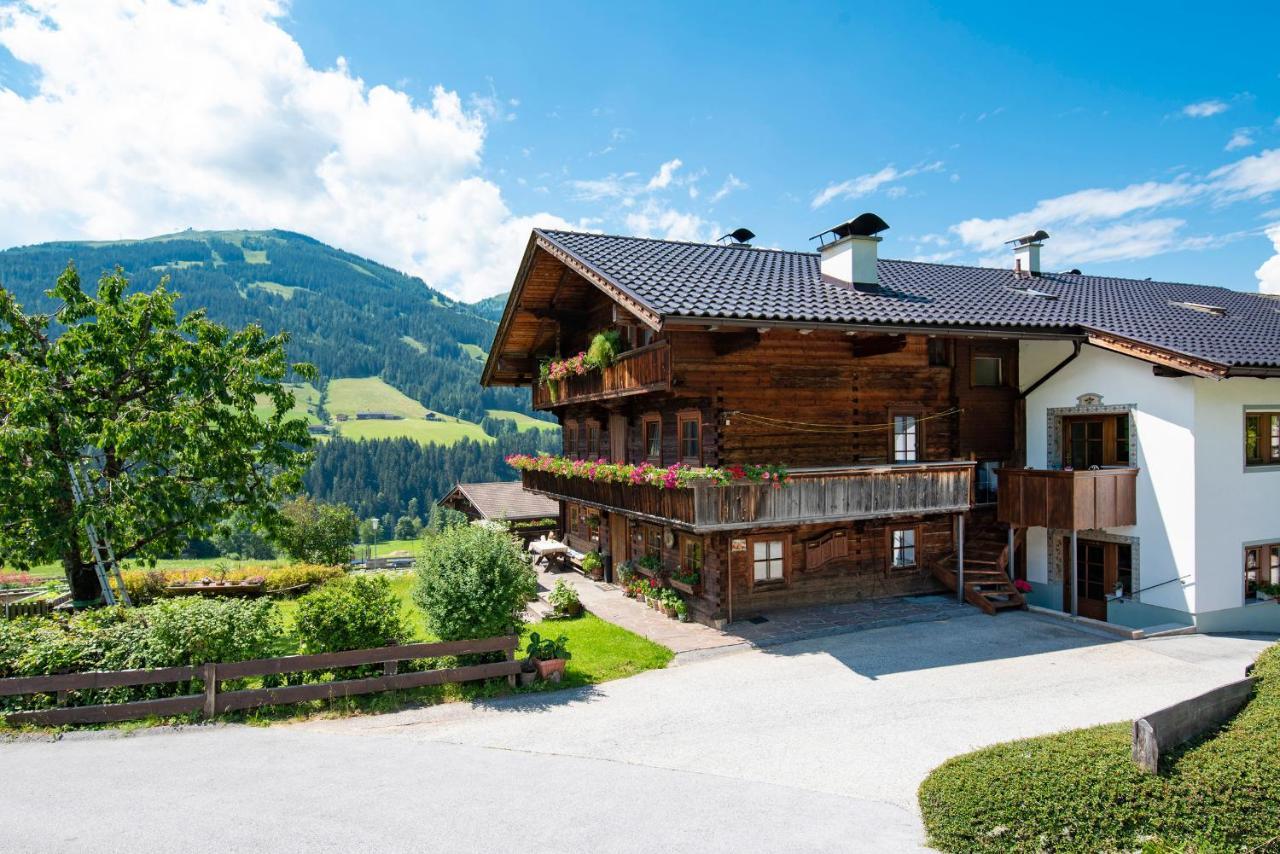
[
  {"x": 421, "y": 431},
  {"x": 305, "y": 400},
  {"x": 474, "y": 351},
  {"x": 1081, "y": 791},
  {"x": 371, "y": 394},
  {"x": 276, "y": 288},
  {"x": 523, "y": 421},
  {"x": 414, "y": 343}
]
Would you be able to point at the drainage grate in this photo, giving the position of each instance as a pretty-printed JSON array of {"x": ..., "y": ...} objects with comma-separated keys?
[{"x": 757, "y": 620}]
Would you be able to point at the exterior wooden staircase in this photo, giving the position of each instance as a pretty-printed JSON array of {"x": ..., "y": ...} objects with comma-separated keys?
[{"x": 986, "y": 562}]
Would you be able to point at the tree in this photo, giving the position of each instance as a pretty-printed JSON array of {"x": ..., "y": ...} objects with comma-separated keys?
[
  {"x": 474, "y": 582},
  {"x": 156, "y": 409},
  {"x": 237, "y": 539},
  {"x": 315, "y": 532},
  {"x": 407, "y": 528}
]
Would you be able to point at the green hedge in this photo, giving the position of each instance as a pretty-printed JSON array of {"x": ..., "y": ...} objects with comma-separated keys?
[{"x": 1080, "y": 791}]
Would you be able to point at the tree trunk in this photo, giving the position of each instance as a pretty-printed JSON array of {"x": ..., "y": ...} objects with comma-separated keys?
[{"x": 85, "y": 589}]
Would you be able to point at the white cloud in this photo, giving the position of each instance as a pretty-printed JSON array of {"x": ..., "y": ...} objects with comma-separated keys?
[
  {"x": 1250, "y": 177},
  {"x": 150, "y": 117},
  {"x": 730, "y": 184},
  {"x": 865, "y": 185},
  {"x": 1242, "y": 138},
  {"x": 1269, "y": 273},
  {"x": 657, "y": 219},
  {"x": 662, "y": 178},
  {"x": 1204, "y": 109}
]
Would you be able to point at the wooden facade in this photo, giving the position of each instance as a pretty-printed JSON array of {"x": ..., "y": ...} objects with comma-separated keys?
[{"x": 831, "y": 405}]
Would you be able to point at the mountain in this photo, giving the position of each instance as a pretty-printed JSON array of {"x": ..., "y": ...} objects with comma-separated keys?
[
  {"x": 381, "y": 340},
  {"x": 492, "y": 307}
]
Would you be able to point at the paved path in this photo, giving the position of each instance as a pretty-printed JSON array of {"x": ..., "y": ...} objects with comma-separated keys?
[
  {"x": 811, "y": 746},
  {"x": 784, "y": 626}
]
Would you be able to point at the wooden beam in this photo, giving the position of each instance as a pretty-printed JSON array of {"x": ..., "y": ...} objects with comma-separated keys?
[{"x": 1157, "y": 355}]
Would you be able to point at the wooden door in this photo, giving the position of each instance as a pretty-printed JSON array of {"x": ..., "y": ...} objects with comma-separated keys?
[
  {"x": 1099, "y": 566},
  {"x": 619, "y": 550},
  {"x": 618, "y": 438}
]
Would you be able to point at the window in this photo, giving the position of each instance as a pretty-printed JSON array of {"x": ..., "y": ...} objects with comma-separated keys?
[
  {"x": 1262, "y": 438},
  {"x": 691, "y": 553},
  {"x": 987, "y": 371},
  {"x": 1095, "y": 440},
  {"x": 906, "y": 438},
  {"x": 571, "y": 438},
  {"x": 689, "y": 425},
  {"x": 653, "y": 438},
  {"x": 985, "y": 491},
  {"x": 1261, "y": 567},
  {"x": 593, "y": 440},
  {"x": 902, "y": 547},
  {"x": 652, "y": 541},
  {"x": 939, "y": 357},
  {"x": 768, "y": 561}
]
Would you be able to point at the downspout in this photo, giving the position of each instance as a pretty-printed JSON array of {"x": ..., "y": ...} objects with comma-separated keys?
[{"x": 1076, "y": 345}]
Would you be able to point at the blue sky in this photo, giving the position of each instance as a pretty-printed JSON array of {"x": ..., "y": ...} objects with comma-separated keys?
[{"x": 1144, "y": 137}]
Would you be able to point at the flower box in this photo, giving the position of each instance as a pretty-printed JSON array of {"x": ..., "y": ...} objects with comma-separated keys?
[{"x": 690, "y": 589}]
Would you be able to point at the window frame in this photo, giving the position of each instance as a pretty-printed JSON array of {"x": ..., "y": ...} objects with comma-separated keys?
[
  {"x": 781, "y": 581},
  {"x": 1268, "y": 434},
  {"x": 570, "y": 429},
  {"x": 1266, "y": 572},
  {"x": 646, "y": 421},
  {"x": 1110, "y": 422},
  {"x": 651, "y": 536},
  {"x": 593, "y": 439},
  {"x": 915, "y": 414},
  {"x": 1000, "y": 382},
  {"x": 699, "y": 543},
  {"x": 890, "y": 551},
  {"x": 938, "y": 352},
  {"x": 683, "y": 417}
]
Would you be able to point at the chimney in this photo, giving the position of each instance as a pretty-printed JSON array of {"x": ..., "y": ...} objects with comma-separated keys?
[
  {"x": 1026, "y": 253},
  {"x": 849, "y": 252},
  {"x": 739, "y": 238}
]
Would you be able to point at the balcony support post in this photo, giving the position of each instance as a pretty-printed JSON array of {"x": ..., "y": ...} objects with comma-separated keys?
[
  {"x": 1011, "y": 564},
  {"x": 1075, "y": 578},
  {"x": 960, "y": 558}
]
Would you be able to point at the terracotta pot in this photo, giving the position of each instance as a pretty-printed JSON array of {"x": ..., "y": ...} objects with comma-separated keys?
[
  {"x": 550, "y": 669},
  {"x": 528, "y": 678}
]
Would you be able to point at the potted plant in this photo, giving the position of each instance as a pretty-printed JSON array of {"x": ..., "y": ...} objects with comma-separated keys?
[
  {"x": 682, "y": 611},
  {"x": 603, "y": 350},
  {"x": 1267, "y": 592},
  {"x": 548, "y": 656},
  {"x": 667, "y": 600},
  {"x": 565, "y": 600},
  {"x": 528, "y": 672},
  {"x": 687, "y": 580},
  {"x": 1022, "y": 586},
  {"x": 650, "y": 565},
  {"x": 593, "y": 565}
]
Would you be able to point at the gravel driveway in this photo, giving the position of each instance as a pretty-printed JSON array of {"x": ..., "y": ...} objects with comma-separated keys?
[{"x": 817, "y": 745}]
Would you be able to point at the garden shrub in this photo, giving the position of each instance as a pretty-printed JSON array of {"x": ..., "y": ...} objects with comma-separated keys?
[
  {"x": 474, "y": 582},
  {"x": 146, "y": 586},
  {"x": 355, "y": 612},
  {"x": 195, "y": 629},
  {"x": 1080, "y": 790}
]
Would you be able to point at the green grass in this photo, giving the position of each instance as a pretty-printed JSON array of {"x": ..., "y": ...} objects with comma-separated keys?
[
  {"x": 601, "y": 651},
  {"x": 474, "y": 351},
  {"x": 523, "y": 422},
  {"x": 305, "y": 400},
  {"x": 414, "y": 343},
  {"x": 1080, "y": 790},
  {"x": 255, "y": 256},
  {"x": 276, "y": 288},
  {"x": 372, "y": 394}
]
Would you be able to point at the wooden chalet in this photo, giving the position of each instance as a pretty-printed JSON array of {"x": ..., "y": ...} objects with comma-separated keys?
[{"x": 890, "y": 390}]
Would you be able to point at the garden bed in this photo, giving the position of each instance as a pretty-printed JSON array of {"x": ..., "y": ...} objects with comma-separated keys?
[{"x": 1081, "y": 791}]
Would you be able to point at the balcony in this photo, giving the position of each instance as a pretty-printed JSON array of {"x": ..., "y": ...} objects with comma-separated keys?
[
  {"x": 814, "y": 495},
  {"x": 638, "y": 371},
  {"x": 1068, "y": 500}
]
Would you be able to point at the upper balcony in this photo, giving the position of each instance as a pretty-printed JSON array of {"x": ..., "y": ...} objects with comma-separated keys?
[
  {"x": 638, "y": 371},
  {"x": 1080, "y": 500},
  {"x": 815, "y": 495}
]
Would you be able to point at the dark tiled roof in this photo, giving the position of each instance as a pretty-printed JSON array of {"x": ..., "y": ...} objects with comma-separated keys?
[
  {"x": 706, "y": 280},
  {"x": 507, "y": 499}
]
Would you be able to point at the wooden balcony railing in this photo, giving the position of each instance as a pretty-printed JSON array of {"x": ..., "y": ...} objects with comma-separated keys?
[
  {"x": 1068, "y": 500},
  {"x": 813, "y": 495},
  {"x": 637, "y": 371}
]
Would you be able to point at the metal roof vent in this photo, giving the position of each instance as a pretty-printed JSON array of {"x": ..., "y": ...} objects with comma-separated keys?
[
  {"x": 1215, "y": 310},
  {"x": 1026, "y": 252},
  {"x": 849, "y": 252},
  {"x": 739, "y": 238}
]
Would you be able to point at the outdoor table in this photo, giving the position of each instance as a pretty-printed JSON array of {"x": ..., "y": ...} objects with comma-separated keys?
[{"x": 549, "y": 550}]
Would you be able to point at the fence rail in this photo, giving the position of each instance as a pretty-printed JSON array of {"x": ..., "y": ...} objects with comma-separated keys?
[{"x": 214, "y": 701}]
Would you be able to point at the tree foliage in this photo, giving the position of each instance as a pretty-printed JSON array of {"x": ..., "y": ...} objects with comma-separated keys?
[
  {"x": 316, "y": 532},
  {"x": 156, "y": 408},
  {"x": 473, "y": 583}
]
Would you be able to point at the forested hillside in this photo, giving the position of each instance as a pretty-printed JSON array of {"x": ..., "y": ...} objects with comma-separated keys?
[{"x": 382, "y": 341}]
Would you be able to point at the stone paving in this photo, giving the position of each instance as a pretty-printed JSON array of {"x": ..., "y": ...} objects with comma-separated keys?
[{"x": 777, "y": 627}]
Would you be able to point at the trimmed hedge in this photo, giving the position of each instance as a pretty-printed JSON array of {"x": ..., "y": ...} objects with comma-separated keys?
[
  {"x": 146, "y": 586},
  {"x": 1080, "y": 791}
]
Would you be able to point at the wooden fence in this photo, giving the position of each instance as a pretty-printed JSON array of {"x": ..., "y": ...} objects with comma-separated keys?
[
  {"x": 32, "y": 606},
  {"x": 214, "y": 701}
]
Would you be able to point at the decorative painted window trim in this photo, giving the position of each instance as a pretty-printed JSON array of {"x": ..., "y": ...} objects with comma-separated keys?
[{"x": 1055, "y": 431}]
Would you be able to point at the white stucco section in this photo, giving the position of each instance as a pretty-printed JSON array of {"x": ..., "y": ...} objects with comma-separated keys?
[
  {"x": 1236, "y": 506},
  {"x": 1163, "y": 447}
]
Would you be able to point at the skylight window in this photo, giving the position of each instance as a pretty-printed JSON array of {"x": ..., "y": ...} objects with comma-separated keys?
[
  {"x": 1032, "y": 292},
  {"x": 1215, "y": 310}
]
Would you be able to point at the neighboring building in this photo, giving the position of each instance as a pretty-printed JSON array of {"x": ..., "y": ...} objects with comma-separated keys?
[
  {"x": 906, "y": 398},
  {"x": 378, "y": 416},
  {"x": 505, "y": 501}
]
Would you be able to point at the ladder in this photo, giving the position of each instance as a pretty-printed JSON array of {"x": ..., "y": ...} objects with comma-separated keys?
[{"x": 104, "y": 557}]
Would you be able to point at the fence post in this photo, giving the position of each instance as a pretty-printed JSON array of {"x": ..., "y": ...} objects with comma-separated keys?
[
  {"x": 511, "y": 677},
  {"x": 210, "y": 690},
  {"x": 390, "y": 668}
]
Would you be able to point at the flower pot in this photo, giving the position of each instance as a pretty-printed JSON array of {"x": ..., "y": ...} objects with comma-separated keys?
[
  {"x": 551, "y": 669},
  {"x": 650, "y": 601},
  {"x": 668, "y": 610},
  {"x": 573, "y": 609},
  {"x": 527, "y": 678},
  {"x": 684, "y": 618}
]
